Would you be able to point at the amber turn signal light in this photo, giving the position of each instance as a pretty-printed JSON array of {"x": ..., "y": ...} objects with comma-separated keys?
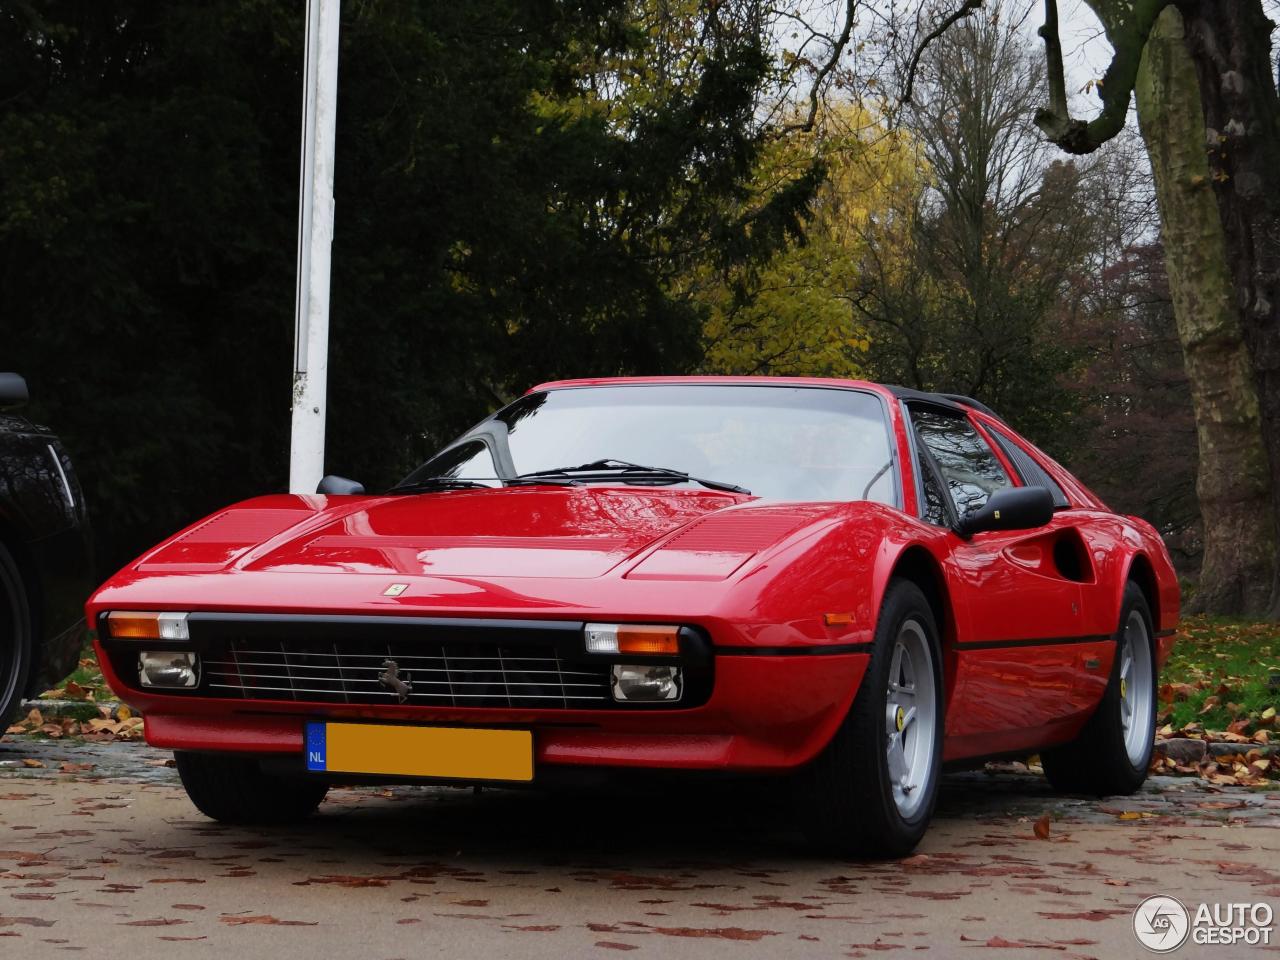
[
  {"x": 642, "y": 639},
  {"x": 634, "y": 638},
  {"x": 145, "y": 625}
]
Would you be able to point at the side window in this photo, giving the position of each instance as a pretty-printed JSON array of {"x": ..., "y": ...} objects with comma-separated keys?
[
  {"x": 1033, "y": 475},
  {"x": 969, "y": 467},
  {"x": 470, "y": 461}
]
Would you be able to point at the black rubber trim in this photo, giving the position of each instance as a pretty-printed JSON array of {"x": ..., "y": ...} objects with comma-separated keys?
[
  {"x": 1033, "y": 642},
  {"x": 830, "y": 650},
  {"x": 327, "y": 625},
  {"x": 211, "y": 631},
  {"x": 1166, "y": 633}
]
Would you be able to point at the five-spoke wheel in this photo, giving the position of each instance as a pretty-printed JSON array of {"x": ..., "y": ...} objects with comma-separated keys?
[
  {"x": 910, "y": 721},
  {"x": 1113, "y": 750},
  {"x": 871, "y": 791},
  {"x": 1137, "y": 686}
]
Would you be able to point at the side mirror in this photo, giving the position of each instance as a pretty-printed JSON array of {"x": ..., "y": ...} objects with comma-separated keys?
[
  {"x": 13, "y": 391},
  {"x": 1013, "y": 508},
  {"x": 339, "y": 486}
]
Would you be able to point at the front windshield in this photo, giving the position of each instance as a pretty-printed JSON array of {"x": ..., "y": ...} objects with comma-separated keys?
[{"x": 780, "y": 442}]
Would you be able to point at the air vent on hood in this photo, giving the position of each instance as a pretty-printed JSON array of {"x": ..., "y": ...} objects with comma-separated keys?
[
  {"x": 714, "y": 547},
  {"x": 240, "y": 526},
  {"x": 222, "y": 539}
]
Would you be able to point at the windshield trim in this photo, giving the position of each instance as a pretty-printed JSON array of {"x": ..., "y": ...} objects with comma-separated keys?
[{"x": 493, "y": 431}]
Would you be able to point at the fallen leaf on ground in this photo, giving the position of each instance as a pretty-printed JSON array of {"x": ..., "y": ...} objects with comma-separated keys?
[
  {"x": 344, "y": 881},
  {"x": 1092, "y": 915},
  {"x": 719, "y": 933},
  {"x": 1042, "y": 827},
  {"x": 264, "y": 920},
  {"x": 25, "y": 921}
]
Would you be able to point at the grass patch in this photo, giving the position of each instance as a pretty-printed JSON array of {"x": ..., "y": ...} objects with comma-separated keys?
[
  {"x": 85, "y": 682},
  {"x": 1223, "y": 674}
]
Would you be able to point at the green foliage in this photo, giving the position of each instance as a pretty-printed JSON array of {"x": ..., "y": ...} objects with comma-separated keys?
[
  {"x": 795, "y": 314},
  {"x": 1223, "y": 672},
  {"x": 514, "y": 198}
]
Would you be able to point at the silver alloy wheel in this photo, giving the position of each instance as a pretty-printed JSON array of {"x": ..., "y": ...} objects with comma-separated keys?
[
  {"x": 1137, "y": 687},
  {"x": 911, "y": 717}
]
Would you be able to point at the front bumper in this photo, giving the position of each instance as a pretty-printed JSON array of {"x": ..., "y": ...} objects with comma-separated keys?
[{"x": 764, "y": 714}]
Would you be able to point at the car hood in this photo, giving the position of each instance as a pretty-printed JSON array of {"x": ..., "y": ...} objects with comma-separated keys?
[{"x": 569, "y": 532}]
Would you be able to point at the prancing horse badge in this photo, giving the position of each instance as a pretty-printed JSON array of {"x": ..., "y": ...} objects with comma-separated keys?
[{"x": 390, "y": 678}]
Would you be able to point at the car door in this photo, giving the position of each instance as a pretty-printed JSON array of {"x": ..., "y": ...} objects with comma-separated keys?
[{"x": 1016, "y": 660}]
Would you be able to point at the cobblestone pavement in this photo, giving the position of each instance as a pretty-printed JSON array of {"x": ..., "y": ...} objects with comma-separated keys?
[{"x": 101, "y": 854}]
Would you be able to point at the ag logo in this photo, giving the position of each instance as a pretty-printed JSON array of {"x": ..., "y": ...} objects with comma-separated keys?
[{"x": 1161, "y": 924}]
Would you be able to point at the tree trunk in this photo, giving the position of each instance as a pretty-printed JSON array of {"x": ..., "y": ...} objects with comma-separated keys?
[
  {"x": 1230, "y": 44},
  {"x": 1235, "y": 478}
]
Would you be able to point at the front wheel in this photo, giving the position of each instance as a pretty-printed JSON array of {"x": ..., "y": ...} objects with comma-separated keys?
[
  {"x": 233, "y": 789},
  {"x": 1113, "y": 751},
  {"x": 871, "y": 793}
]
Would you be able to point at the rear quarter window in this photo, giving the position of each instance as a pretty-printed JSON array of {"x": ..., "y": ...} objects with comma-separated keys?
[{"x": 1027, "y": 467}]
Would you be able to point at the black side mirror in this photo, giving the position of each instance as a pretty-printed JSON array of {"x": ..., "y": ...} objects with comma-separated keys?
[
  {"x": 13, "y": 391},
  {"x": 340, "y": 486},
  {"x": 1013, "y": 508}
]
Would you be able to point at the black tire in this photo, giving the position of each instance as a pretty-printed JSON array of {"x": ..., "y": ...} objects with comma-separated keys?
[
  {"x": 845, "y": 797},
  {"x": 1097, "y": 762},
  {"x": 233, "y": 789},
  {"x": 16, "y": 638}
]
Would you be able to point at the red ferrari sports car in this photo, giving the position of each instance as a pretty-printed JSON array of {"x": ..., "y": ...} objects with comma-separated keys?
[{"x": 845, "y": 583}]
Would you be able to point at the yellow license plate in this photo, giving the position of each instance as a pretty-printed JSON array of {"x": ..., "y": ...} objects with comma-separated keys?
[{"x": 454, "y": 753}]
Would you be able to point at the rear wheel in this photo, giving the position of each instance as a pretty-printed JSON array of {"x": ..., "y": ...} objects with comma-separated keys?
[
  {"x": 871, "y": 792},
  {"x": 15, "y": 638},
  {"x": 1113, "y": 751},
  {"x": 233, "y": 789}
]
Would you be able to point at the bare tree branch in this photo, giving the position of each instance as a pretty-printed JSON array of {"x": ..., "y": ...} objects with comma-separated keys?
[
  {"x": 965, "y": 9},
  {"x": 1128, "y": 35},
  {"x": 815, "y": 91}
]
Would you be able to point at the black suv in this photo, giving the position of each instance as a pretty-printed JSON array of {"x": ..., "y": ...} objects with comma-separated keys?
[{"x": 46, "y": 570}]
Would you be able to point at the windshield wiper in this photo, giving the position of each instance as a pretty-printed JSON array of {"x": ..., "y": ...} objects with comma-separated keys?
[
  {"x": 625, "y": 471},
  {"x": 439, "y": 483}
]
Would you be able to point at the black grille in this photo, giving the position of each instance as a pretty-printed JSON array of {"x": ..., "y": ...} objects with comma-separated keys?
[{"x": 438, "y": 674}]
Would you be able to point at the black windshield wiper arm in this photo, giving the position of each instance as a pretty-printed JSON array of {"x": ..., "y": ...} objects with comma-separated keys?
[
  {"x": 624, "y": 470},
  {"x": 439, "y": 483}
]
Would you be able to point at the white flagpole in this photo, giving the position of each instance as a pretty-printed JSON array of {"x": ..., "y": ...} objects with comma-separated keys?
[{"x": 315, "y": 237}]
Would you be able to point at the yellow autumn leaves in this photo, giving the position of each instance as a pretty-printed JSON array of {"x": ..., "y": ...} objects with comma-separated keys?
[{"x": 800, "y": 317}]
